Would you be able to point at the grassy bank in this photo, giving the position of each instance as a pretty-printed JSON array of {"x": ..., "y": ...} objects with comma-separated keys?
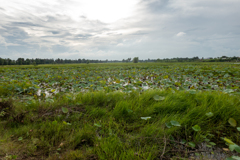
[
  {"x": 130, "y": 64},
  {"x": 97, "y": 125}
]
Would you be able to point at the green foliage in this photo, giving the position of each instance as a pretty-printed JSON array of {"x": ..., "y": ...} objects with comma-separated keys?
[
  {"x": 113, "y": 77},
  {"x": 104, "y": 112},
  {"x": 209, "y": 114},
  {"x": 233, "y": 158},
  {"x": 35, "y": 64},
  {"x": 158, "y": 98},
  {"x": 191, "y": 144},
  {"x": 98, "y": 125},
  {"x": 196, "y": 128},
  {"x": 123, "y": 111},
  {"x": 64, "y": 110},
  {"x": 102, "y": 121},
  {"x": 135, "y": 60},
  {"x": 20, "y": 138},
  {"x": 175, "y": 123},
  {"x": 232, "y": 122}
]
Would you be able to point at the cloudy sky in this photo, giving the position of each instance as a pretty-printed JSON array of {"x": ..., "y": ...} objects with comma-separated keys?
[{"x": 114, "y": 29}]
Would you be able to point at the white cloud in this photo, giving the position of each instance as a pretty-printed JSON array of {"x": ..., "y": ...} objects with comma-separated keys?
[
  {"x": 118, "y": 29},
  {"x": 180, "y": 34},
  {"x": 119, "y": 44},
  {"x": 2, "y": 40},
  {"x": 104, "y": 10}
]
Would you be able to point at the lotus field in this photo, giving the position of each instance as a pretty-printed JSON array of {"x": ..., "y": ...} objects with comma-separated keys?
[
  {"x": 122, "y": 111},
  {"x": 47, "y": 81}
]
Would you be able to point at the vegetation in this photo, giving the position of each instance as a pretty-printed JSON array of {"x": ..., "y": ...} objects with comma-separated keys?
[
  {"x": 26, "y": 81},
  {"x": 135, "y": 60},
  {"x": 120, "y": 111},
  {"x": 36, "y": 61}
]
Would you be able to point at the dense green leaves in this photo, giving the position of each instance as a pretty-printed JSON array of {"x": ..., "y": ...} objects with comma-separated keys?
[
  {"x": 52, "y": 80},
  {"x": 96, "y": 118}
]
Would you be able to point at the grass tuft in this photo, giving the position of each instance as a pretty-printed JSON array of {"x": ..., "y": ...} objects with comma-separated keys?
[{"x": 117, "y": 125}]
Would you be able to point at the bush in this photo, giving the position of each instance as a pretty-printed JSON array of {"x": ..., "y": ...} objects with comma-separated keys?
[{"x": 135, "y": 60}]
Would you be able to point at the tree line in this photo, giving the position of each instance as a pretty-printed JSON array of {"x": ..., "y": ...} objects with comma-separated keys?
[
  {"x": 36, "y": 61},
  {"x": 197, "y": 59}
]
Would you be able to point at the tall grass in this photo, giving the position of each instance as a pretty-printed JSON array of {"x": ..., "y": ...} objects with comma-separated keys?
[{"x": 112, "y": 126}]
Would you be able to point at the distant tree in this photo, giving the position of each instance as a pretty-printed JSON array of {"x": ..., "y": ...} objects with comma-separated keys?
[
  {"x": 32, "y": 60},
  {"x": 135, "y": 60},
  {"x": 234, "y": 58},
  {"x": 57, "y": 60},
  {"x": 1, "y": 61},
  {"x": 34, "y": 63},
  {"x": 158, "y": 60},
  {"x": 27, "y": 61},
  {"x": 37, "y": 61},
  {"x": 19, "y": 61},
  {"x": 195, "y": 58},
  {"x": 13, "y": 62},
  {"x": 23, "y": 61},
  {"x": 87, "y": 61},
  {"x": 9, "y": 61},
  {"x": 5, "y": 62},
  {"x": 129, "y": 59}
]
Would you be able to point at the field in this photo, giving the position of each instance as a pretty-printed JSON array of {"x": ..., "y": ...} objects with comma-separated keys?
[{"x": 120, "y": 111}]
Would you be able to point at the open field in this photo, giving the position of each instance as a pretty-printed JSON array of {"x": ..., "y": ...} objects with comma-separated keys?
[
  {"x": 120, "y": 111},
  {"x": 51, "y": 79}
]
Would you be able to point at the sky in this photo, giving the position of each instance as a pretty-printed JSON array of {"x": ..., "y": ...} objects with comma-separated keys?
[{"x": 116, "y": 30}]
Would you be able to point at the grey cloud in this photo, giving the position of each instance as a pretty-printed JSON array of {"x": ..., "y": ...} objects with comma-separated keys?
[
  {"x": 84, "y": 17},
  {"x": 13, "y": 34},
  {"x": 56, "y": 38},
  {"x": 84, "y": 36},
  {"x": 25, "y": 24},
  {"x": 211, "y": 28},
  {"x": 139, "y": 33},
  {"x": 55, "y": 32},
  {"x": 156, "y": 6}
]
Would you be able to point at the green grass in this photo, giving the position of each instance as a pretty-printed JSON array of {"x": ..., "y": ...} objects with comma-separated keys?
[
  {"x": 100, "y": 125},
  {"x": 114, "y": 64},
  {"x": 97, "y": 116},
  {"x": 26, "y": 81}
]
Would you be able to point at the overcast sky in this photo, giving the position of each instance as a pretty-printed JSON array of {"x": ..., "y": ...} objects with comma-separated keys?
[{"x": 119, "y": 29}]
